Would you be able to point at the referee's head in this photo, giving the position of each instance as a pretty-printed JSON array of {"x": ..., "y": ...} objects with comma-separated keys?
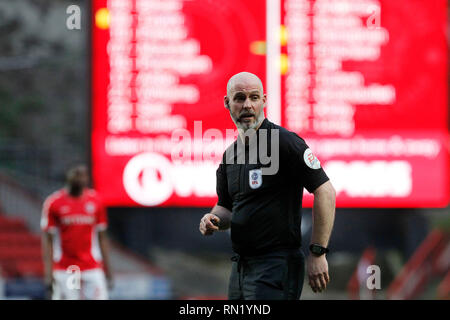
[{"x": 245, "y": 100}]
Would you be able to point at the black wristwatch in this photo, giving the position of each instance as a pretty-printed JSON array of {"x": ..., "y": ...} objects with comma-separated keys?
[{"x": 317, "y": 250}]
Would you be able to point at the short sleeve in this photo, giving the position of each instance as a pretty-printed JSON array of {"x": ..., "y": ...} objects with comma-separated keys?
[
  {"x": 304, "y": 165},
  {"x": 224, "y": 199},
  {"x": 102, "y": 217},
  {"x": 48, "y": 216}
]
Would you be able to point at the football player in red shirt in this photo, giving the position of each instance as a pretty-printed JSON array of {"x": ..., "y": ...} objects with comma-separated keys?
[{"x": 74, "y": 242}]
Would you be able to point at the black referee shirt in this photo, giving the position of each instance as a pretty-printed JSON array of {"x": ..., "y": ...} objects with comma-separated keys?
[{"x": 266, "y": 209}]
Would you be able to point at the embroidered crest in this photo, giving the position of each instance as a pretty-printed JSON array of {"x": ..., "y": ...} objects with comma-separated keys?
[
  {"x": 255, "y": 178},
  {"x": 90, "y": 207}
]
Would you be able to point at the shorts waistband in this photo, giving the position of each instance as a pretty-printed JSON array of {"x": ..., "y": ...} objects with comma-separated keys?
[{"x": 256, "y": 254}]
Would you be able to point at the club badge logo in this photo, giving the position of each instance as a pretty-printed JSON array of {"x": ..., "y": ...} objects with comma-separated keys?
[
  {"x": 90, "y": 207},
  {"x": 255, "y": 178}
]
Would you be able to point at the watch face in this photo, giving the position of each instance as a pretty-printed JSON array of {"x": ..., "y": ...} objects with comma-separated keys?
[{"x": 316, "y": 250}]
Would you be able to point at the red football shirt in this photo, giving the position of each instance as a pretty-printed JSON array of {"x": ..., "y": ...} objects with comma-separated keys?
[{"x": 74, "y": 222}]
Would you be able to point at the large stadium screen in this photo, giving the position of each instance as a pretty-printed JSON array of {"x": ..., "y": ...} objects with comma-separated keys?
[
  {"x": 160, "y": 70},
  {"x": 363, "y": 82},
  {"x": 366, "y": 86}
]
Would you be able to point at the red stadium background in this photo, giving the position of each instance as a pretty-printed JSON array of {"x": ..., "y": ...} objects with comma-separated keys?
[
  {"x": 364, "y": 85},
  {"x": 364, "y": 82}
]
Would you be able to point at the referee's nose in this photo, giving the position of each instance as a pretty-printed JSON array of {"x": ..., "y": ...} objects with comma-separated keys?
[{"x": 247, "y": 104}]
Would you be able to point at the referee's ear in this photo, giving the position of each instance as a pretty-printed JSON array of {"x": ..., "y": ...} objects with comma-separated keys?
[{"x": 226, "y": 102}]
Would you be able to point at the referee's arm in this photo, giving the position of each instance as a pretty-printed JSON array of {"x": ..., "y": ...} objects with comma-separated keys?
[
  {"x": 224, "y": 216},
  {"x": 220, "y": 216},
  {"x": 323, "y": 213},
  {"x": 322, "y": 225}
]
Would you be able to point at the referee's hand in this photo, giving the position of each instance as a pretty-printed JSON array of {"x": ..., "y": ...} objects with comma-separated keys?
[
  {"x": 208, "y": 224},
  {"x": 318, "y": 272}
]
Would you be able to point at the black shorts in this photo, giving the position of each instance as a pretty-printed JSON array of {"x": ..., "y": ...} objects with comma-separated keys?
[{"x": 274, "y": 276}]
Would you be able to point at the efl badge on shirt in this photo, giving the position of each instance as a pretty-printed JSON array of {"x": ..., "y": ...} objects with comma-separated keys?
[
  {"x": 311, "y": 160},
  {"x": 90, "y": 207},
  {"x": 255, "y": 178}
]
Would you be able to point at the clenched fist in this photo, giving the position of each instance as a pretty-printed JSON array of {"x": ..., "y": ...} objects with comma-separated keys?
[{"x": 208, "y": 224}]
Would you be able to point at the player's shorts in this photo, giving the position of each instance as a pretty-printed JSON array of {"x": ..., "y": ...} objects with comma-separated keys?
[
  {"x": 275, "y": 276},
  {"x": 91, "y": 285}
]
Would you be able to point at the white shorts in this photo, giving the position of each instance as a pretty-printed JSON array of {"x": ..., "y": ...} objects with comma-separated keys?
[{"x": 84, "y": 285}]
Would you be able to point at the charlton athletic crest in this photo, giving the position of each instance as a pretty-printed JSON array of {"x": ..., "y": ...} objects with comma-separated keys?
[
  {"x": 90, "y": 207},
  {"x": 255, "y": 178}
]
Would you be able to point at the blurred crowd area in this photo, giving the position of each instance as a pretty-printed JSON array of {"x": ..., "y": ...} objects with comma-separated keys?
[{"x": 159, "y": 253}]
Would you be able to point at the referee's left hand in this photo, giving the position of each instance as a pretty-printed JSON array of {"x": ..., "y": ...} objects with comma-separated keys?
[{"x": 317, "y": 268}]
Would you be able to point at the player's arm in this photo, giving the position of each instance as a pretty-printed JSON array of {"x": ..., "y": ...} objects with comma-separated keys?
[
  {"x": 218, "y": 219},
  {"x": 103, "y": 241},
  {"x": 48, "y": 225},
  {"x": 104, "y": 249},
  {"x": 322, "y": 225},
  {"x": 47, "y": 257}
]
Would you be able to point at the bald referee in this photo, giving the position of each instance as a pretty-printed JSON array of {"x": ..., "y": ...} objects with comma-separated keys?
[{"x": 261, "y": 202}]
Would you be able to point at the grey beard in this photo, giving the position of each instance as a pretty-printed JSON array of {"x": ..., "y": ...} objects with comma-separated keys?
[{"x": 244, "y": 128}]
